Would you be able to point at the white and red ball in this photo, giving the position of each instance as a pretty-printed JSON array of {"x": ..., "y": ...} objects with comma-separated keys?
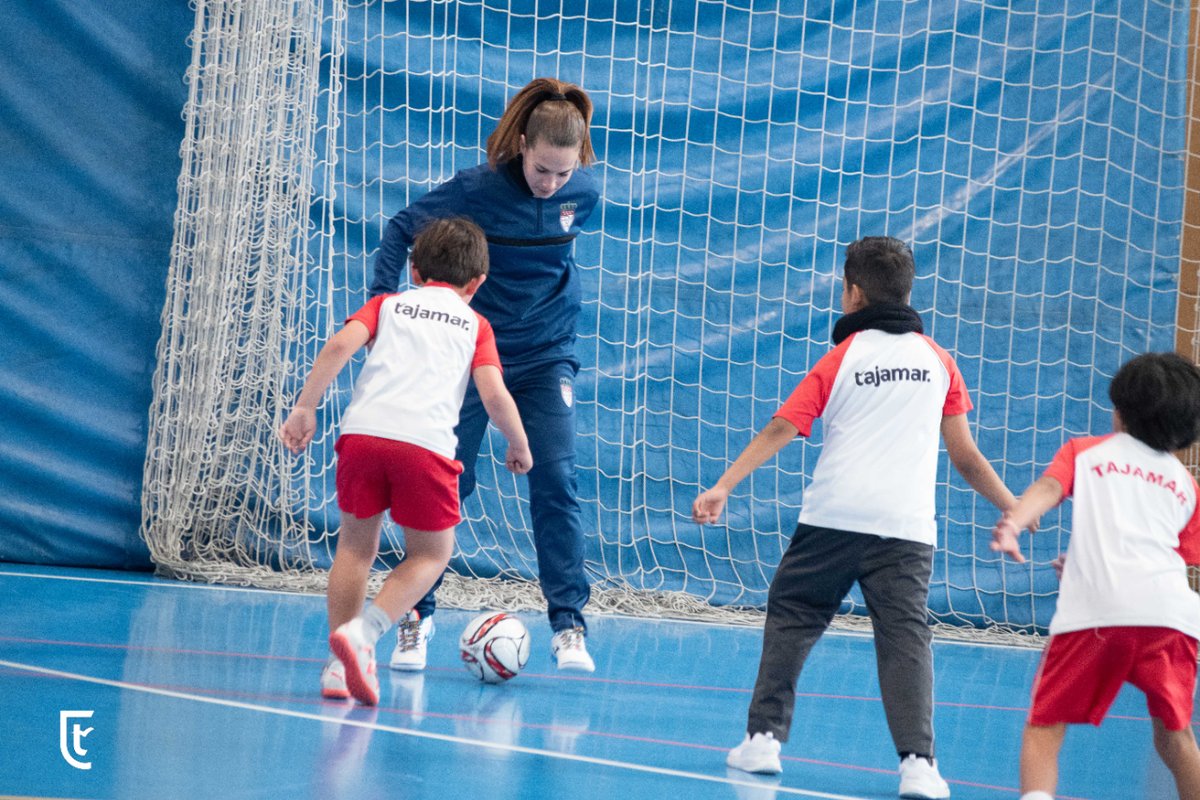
[{"x": 494, "y": 646}]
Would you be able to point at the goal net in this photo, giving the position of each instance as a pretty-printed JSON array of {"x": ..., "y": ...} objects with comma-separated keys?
[{"x": 1035, "y": 155}]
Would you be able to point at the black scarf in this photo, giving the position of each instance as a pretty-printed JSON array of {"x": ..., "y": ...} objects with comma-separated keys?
[{"x": 886, "y": 317}]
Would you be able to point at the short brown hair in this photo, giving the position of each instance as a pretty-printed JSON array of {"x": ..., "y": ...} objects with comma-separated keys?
[
  {"x": 546, "y": 110},
  {"x": 882, "y": 267},
  {"x": 451, "y": 251}
]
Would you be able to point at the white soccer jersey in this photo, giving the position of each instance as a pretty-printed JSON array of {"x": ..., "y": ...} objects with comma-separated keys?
[
  {"x": 882, "y": 397},
  {"x": 425, "y": 342},
  {"x": 1134, "y": 527}
]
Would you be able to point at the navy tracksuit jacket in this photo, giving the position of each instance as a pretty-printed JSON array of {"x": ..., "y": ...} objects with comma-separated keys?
[{"x": 532, "y": 298}]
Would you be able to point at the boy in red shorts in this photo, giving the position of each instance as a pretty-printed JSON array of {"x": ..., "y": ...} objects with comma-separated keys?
[
  {"x": 1125, "y": 610},
  {"x": 397, "y": 443}
]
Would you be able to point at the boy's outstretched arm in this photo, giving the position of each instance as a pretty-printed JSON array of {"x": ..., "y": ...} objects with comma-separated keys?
[
  {"x": 1044, "y": 494},
  {"x": 502, "y": 410},
  {"x": 970, "y": 463},
  {"x": 769, "y": 441},
  {"x": 298, "y": 429}
]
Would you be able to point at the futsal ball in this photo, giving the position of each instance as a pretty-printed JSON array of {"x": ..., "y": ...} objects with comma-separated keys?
[{"x": 494, "y": 646}]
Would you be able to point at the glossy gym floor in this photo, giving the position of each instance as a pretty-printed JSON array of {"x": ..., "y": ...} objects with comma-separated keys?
[{"x": 197, "y": 691}]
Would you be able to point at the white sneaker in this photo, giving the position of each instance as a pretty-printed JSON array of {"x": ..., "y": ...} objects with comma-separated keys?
[
  {"x": 357, "y": 655},
  {"x": 920, "y": 780},
  {"x": 333, "y": 681},
  {"x": 412, "y": 640},
  {"x": 570, "y": 650},
  {"x": 758, "y": 753}
]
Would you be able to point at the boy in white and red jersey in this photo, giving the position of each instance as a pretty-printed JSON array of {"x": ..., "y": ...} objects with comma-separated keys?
[
  {"x": 397, "y": 443},
  {"x": 885, "y": 392},
  {"x": 1125, "y": 610}
]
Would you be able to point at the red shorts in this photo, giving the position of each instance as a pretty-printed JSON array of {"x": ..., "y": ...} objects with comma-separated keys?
[
  {"x": 1082, "y": 671},
  {"x": 418, "y": 485}
]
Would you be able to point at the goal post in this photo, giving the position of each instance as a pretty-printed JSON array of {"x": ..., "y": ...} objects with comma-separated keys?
[
  {"x": 1187, "y": 342},
  {"x": 1036, "y": 159}
]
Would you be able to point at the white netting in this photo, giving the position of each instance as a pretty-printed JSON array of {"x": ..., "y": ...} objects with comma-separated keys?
[
  {"x": 1034, "y": 154},
  {"x": 215, "y": 475}
]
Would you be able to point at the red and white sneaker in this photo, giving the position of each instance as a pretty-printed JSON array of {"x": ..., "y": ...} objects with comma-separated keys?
[
  {"x": 357, "y": 655},
  {"x": 333, "y": 681}
]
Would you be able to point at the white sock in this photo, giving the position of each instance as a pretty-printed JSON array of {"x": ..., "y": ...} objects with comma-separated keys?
[
  {"x": 376, "y": 622},
  {"x": 1037, "y": 795}
]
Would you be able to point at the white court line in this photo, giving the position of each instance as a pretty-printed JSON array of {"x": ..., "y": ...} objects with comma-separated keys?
[
  {"x": 168, "y": 583},
  {"x": 534, "y": 751}
]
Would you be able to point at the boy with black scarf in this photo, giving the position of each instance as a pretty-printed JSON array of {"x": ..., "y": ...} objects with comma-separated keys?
[{"x": 885, "y": 392}]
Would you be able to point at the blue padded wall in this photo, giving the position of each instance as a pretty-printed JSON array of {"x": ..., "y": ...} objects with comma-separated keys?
[{"x": 90, "y": 99}]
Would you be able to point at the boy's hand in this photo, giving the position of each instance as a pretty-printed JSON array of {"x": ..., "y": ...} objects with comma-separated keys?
[
  {"x": 298, "y": 429},
  {"x": 1004, "y": 539},
  {"x": 1058, "y": 564},
  {"x": 519, "y": 460},
  {"x": 709, "y": 505}
]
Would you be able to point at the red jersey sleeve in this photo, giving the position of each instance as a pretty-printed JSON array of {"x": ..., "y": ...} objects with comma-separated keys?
[
  {"x": 1189, "y": 537},
  {"x": 958, "y": 400},
  {"x": 369, "y": 314},
  {"x": 807, "y": 401},
  {"x": 485, "y": 346},
  {"x": 1062, "y": 468}
]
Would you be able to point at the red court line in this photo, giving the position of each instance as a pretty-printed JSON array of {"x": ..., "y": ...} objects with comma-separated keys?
[
  {"x": 532, "y": 675},
  {"x": 141, "y": 649},
  {"x": 313, "y": 701}
]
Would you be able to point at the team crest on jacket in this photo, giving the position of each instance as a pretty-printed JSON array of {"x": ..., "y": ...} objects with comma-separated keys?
[
  {"x": 568, "y": 391},
  {"x": 566, "y": 216}
]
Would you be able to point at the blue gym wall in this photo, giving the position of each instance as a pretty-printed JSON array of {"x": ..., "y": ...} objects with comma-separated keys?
[
  {"x": 91, "y": 93},
  {"x": 90, "y": 100}
]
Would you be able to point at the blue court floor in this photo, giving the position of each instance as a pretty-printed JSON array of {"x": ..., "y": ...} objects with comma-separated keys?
[{"x": 201, "y": 691}]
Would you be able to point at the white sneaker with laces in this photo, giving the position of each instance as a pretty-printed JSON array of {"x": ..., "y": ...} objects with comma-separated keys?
[
  {"x": 758, "y": 753},
  {"x": 412, "y": 640},
  {"x": 920, "y": 779},
  {"x": 333, "y": 681},
  {"x": 570, "y": 650},
  {"x": 350, "y": 644}
]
